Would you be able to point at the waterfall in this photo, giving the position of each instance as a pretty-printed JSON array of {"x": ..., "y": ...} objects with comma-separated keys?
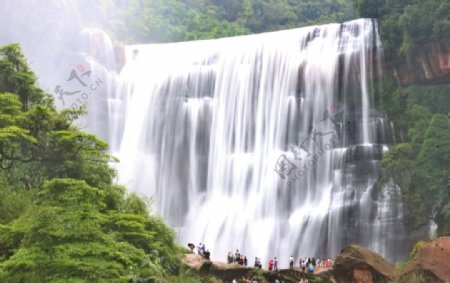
[{"x": 268, "y": 143}]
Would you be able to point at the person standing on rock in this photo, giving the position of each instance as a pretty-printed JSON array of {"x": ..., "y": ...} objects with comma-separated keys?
[
  {"x": 311, "y": 268},
  {"x": 207, "y": 254},
  {"x": 304, "y": 264},
  {"x": 230, "y": 258},
  {"x": 291, "y": 262},
  {"x": 275, "y": 264},
  {"x": 258, "y": 263},
  {"x": 270, "y": 265}
]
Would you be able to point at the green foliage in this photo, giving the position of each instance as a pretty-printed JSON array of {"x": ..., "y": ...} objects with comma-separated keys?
[
  {"x": 13, "y": 203},
  {"x": 398, "y": 164},
  {"x": 420, "y": 164},
  {"x": 172, "y": 20},
  {"x": 369, "y": 8},
  {"x": 428, "y": 191},
  {"x": 36, "y": 141},
  {"x": 9, "y": 241},
  {"x": 10, "y": 108},
  {"x": 189, "y": 276},
  {"x": 257, "y": 274},
  {"x": 181, "y": 20},
  {"x": 420, "y": 119},
  {"x": 415, "y": 250},
  {"x": 407, "y": 25},
  {"x": 400, "y": 266},
  {"x": 136, "y": 205},
  {"x": 61, "y": 217},
  {"x": 16, "y": 77},
  {"x": 67, "y": 237}
]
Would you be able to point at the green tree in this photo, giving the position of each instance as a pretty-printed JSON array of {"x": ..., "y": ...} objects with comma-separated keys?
[
  {"x": 398, "y": 164},
  {"x": 369, "y": 8},
  {"x": 419, "y": 120},
  {"x": 428, "y": 193},
  {"x": 63, "y": 240},
  {"x": 408, "y": 25},
  {"x": 16, "y": 77}
]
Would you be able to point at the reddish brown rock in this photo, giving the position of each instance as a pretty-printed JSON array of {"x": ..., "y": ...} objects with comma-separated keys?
[
  {"x": 429, "y": 65},
  {"x": 194, "y": 261},
  {"x": 356, "y": 264},
  {"x": 119, "y": 54},
  {"x": 430, "y": 263}
]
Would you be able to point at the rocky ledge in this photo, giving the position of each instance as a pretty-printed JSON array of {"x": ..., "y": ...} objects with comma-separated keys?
[
  {"x": 359, "y": 265},
  {"x": 429, "y": 262}
]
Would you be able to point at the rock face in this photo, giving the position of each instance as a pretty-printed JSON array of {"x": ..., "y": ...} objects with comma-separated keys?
[
  {"x": 101, "y": 47},
  {"x": 228, "y": 272},
  {"x": 194, "y": 261},
  {"x": 355, "y": 264},
  {"x": 429, "y": 65},
  {"x": 223, "y": 271},
  {"x": 430, "y": 264}
]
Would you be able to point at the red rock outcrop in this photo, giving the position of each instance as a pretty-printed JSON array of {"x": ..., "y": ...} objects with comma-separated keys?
[
  {"x": 355, "y": 264},
  {"x": 430, "y": 264}
]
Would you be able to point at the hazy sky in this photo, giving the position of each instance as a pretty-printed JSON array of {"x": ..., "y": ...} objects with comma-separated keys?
[{"x": 49, "y": 32}]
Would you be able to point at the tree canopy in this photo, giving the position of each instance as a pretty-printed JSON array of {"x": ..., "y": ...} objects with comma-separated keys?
[{"x": 62, "y": 218}]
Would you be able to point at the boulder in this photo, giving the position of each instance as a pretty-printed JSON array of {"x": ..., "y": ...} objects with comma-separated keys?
[
  {"x": 429, "y": 262},
  {"x": 194, "y": 261},
  {"x": 355, "y": 264},
  {"x": 221, "y": 270}
]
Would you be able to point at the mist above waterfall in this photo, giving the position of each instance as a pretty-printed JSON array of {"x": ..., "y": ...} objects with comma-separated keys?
[{"x": 50, "y": 32}]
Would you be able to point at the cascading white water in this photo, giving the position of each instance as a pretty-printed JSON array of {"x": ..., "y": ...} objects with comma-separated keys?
[{"x": 268, "y": 143}]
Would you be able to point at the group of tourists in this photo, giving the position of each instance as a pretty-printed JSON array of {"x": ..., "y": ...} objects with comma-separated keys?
[
  {"x": 237, "y": 258},
  {"x": 309, "y": 264},
  {"x": 305, "y": 264},
  {"x": 200, "y": 249},
  {"x": 203, "y": 251}
]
